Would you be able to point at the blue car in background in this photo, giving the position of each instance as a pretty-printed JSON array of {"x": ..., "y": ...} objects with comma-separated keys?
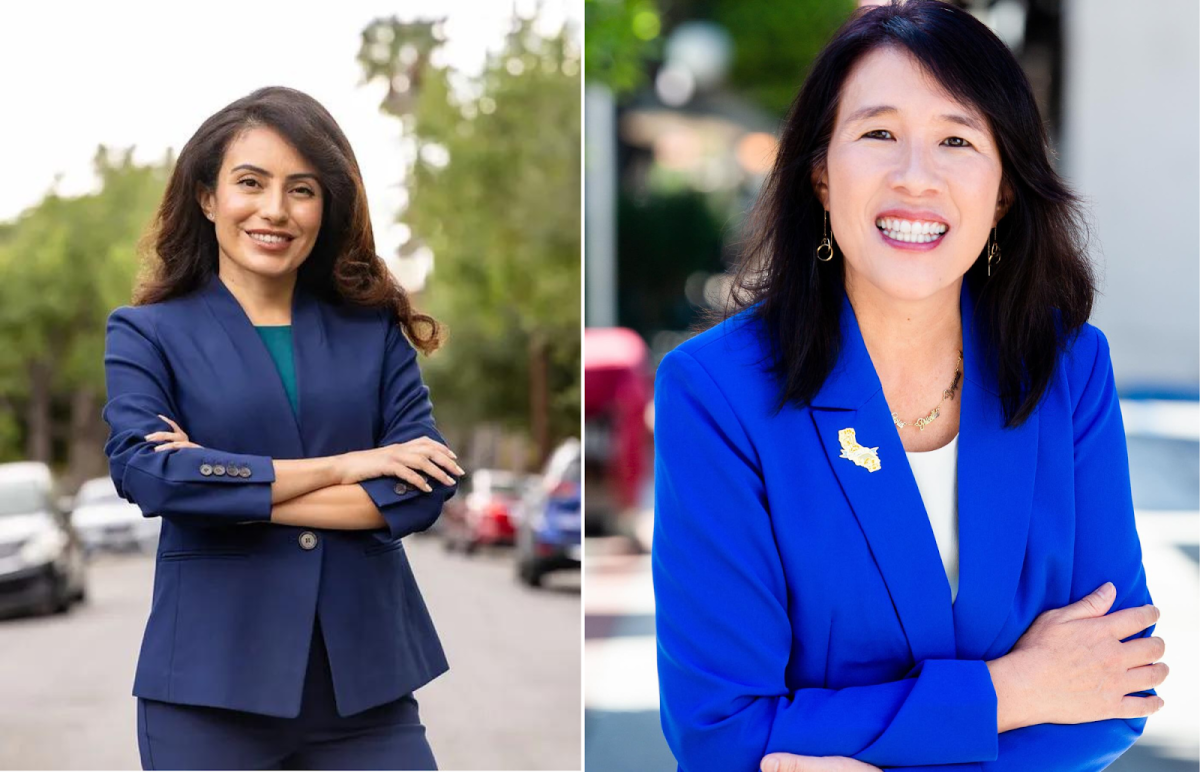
[{"x": 549, "y": 526}]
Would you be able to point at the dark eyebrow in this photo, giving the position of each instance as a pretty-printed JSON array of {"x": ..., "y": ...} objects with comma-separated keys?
[
  {"x": 871, "y": 112},
  {"x": 265, "y": 173}
]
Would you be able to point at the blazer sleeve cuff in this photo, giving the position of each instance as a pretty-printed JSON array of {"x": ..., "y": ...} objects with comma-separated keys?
[
  {"x": 405, "y": 507},
  {"x": 956, "y": 696}
]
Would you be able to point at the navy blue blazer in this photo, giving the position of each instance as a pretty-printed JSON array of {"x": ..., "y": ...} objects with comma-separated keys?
[
  {"x": 235, "y": 596},
  {"x": 802, "y": 605}
]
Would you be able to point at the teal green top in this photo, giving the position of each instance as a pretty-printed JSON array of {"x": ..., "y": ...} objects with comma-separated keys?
[{"x": 279, "y": 342}]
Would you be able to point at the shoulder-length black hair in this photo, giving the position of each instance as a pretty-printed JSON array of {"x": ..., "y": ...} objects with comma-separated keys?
[
  {"x": 1038, "y": 296},
  {"x": 179, "y": 250}
]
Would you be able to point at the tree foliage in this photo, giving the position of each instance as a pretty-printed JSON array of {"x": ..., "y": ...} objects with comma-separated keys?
[
  {"x": 65, "y": 263},
  {"x": 493, "y": 185}
]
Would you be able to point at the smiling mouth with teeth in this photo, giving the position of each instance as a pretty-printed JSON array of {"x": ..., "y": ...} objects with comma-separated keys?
[
  {"x": 913, "y": 232},
  {"x": 268, "y": 239}
]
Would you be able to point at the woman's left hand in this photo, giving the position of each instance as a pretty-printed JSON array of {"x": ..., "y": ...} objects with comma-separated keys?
[
  {"x": 169, "y": 440},
  {"x": 790, "y": 762}
]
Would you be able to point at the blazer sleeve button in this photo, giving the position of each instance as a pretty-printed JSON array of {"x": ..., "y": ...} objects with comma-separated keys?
[
  {"x": 206, "y": 469},
  {"x": 245, "y": 472},
  {"x": 400, "y": 488},
  {"x": 218, "y": 470}
]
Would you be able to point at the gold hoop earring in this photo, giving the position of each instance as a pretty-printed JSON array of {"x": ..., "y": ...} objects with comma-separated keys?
[
  {"x": 993, "y": 254},
  {"x": 826, "y": 243}
]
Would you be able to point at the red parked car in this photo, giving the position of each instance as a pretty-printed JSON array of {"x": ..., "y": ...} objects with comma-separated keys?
[{"x": 485, "y": 515}]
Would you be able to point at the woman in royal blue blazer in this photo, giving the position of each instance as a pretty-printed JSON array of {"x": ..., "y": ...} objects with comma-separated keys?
[
  {"x": 264, "y": 400},
  {"x": 893, "y": 510}
]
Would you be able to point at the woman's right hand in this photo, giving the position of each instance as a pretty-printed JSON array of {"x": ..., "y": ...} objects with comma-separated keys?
[
  {"x": 404, "y": 460},
  {"x": 1070, "y": 666}
]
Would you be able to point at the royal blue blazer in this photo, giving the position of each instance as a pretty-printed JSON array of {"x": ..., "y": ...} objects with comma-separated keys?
[
  {"x": 235, "y": 596},
  {"x": 801, "y": 603}
]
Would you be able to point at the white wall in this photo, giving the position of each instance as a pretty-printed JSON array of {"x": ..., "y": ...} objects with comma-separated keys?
[{"x": 1131, "y": 146}]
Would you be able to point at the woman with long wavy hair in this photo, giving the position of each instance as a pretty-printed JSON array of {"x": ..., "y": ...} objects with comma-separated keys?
[
  {"x": 264, "y": 401},
  {"x": 894, "y": 525}
]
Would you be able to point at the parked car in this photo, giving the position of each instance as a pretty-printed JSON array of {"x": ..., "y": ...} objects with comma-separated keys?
[
  {"x": 41, "y": 557},
  {"x": 484, "y": 516},
  {"x": 105, "y": 521},
  {"x": 549, "y": 529}
]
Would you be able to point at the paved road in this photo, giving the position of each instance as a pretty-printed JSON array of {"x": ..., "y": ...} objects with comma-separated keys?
[
  {"x": 622, "y": 730},
  {"x": 510, "y": 701}
]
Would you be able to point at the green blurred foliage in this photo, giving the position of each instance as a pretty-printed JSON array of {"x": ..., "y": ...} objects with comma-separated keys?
[
  {"x": 65, "y": 263},
  {"x": 494, "y": 191},
  {"x": 774, "y": 43},
  {"x": 621, "y": 35}
]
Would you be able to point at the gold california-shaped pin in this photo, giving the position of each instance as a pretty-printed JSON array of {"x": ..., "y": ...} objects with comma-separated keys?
[{"x": 864, "y": 457}]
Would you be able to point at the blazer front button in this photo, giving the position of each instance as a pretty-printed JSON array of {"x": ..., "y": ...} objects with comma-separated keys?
[
  {"x": 218, "y": 470},
  {"x": 308, "y": 540},
  {"x": 206, "y": 469},
  {"x": 401, "y": 488}
]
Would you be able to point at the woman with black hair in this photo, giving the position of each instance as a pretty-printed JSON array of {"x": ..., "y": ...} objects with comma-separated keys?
[
  {"x": 893, "y": 523},
  {"x": 264, "y": 400}
]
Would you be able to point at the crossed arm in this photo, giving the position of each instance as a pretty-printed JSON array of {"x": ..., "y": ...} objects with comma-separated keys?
[
  {"x": 724, "y": 702},
  {"x": 161, "y": 470}
]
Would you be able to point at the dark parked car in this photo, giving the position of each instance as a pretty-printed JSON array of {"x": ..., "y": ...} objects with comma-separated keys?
[
  {"x": 41, "y": 558},
  {"x": 548, "y": 531}
]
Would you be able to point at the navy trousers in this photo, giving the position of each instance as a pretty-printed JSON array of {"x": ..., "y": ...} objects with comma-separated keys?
[{"x": 388, "y": 736}]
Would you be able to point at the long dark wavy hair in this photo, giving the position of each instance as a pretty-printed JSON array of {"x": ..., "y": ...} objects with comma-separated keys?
[
  {"x": 1035, "y": 300},
  {"x": 180, "y": 252}
]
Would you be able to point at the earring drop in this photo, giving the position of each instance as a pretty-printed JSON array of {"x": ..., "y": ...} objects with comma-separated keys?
[
  {"x": 826, "y": 243},
  {"x": 993, "y": 253}
]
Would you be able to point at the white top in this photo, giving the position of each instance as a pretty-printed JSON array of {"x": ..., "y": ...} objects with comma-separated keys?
[{"x": 936, "y": 472}]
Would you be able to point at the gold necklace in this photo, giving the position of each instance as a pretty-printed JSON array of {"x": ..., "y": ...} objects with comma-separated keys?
[{"x": 921, "y": 423}]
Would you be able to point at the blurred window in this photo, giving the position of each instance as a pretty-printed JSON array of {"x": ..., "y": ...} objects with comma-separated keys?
[
  {"x": 100, "y": 491},
  {"x": 22, "y": 498}
]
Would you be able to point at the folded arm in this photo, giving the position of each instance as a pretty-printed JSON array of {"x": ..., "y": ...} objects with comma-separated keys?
[{"x": 725, "y": 703}]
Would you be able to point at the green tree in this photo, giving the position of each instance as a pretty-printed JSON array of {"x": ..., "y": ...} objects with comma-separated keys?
[
  {"x": 621, "y": 36},
  {"x": 494, "y": 191},
  {"x": 65, "y": 264}
]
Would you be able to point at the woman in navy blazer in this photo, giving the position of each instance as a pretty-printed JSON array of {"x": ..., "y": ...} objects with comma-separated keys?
[
  {"x": 264, "y": 400},
  {"x": 808, "y": 617}
]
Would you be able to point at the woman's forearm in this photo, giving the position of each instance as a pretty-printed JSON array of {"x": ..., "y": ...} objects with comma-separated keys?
[
  {"x": 343, "y": 507},
  {"x": 298, "y": 476}
]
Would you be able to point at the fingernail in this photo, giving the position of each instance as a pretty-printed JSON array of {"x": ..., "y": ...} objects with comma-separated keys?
[
  {"x": 453, "y": 454},
  {"x": 1107, "y": 589},
  {"x": 770, "y": 765}
]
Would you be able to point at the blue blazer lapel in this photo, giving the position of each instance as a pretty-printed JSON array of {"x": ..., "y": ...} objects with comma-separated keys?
[
  {"x": 886, "y": 502},
  {"x": 996, "y": 473},
  {"x": 254, "y": 362}
]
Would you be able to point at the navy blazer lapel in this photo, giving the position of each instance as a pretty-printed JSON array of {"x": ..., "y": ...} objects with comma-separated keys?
[
  {"x": 997, "y": 468},
  {"x": 254, "y": 358},
  {"x": 886, "y": 502}
]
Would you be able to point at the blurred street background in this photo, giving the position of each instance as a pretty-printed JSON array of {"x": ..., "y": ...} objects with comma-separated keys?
[
  {"x": 683, "y": 99},
  {"x": 465, "y": 120}
]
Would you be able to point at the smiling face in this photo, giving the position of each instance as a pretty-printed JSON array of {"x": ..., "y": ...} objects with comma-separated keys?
[
  {"x": 905, "y": 156},
  {"x": 266, "y": 206}
]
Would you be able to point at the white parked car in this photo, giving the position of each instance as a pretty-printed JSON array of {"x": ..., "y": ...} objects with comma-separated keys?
[{"x": 105, "y": 521}]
